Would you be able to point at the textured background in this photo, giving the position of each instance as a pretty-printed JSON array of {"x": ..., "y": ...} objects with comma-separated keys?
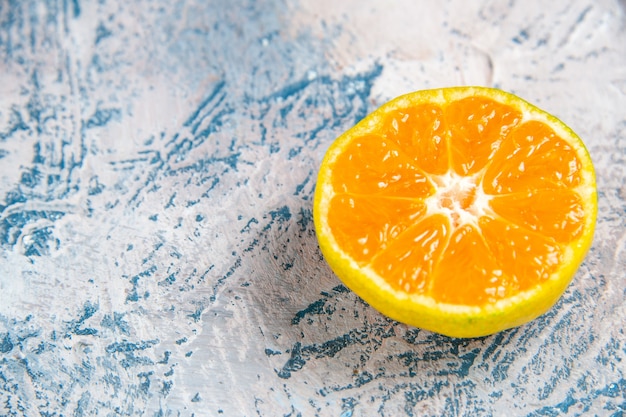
[{"x": 157, "y": 163}]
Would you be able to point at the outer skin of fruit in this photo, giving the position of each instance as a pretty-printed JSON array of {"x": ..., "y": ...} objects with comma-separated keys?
[{"x": 422, "y": 311}]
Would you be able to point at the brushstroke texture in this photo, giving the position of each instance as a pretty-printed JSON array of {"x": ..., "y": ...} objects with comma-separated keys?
[{"x": 157, "y": 250}]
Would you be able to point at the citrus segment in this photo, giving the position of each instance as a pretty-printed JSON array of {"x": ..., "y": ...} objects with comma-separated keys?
[
  {"x": 425, "y": 241},
  {"x": 558, "y": 214},
  {"x": 477, "y": 125},
  {"x": 468, "y": 273},
  {"x": 464, "y": 211},
  {"x": 421, "y": 133},
  {"x": 532, "y": 156},
  {"x": 365, "y": 225},
  {"x": 528, "y": 258},
  {"x": 373, "y": 165}
]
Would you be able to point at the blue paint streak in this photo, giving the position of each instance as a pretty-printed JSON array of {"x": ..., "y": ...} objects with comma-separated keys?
[
  {"x": 134, "y": 292},
  {"x": 144, "y": 385},
  {"x": 171, "y": 279},
  {"x": 126, "y": 346},
  {"x": 203, "y": 104},
  {"x": 521, "y": 37},
  {"x": 102, "y": 33},
  {"x": 102, "y": 117},
  {"x": 246, "y": 228},
  {"x": 95, "y": 187},
  {"x": 16, "y": 124},
  {"x": 221, "y": 282},
  {"x": 83, "y": 404},
  {"x": 317, "y": 307},
  {"x": 300, "y": 187},
  {"x": 40, "y": 242},
  {"x": 116, "y": 322},
  {"x": 5, "y": 343},
  {"x": 76, "y": 8},
  {"x": 12, "y": 227},
  {"x": 280, "y": 215},
  {"x": 76, "y": 326},
  {"x": 31, "y": 178},
  {"x": 213, "y": 126},
  {"x": 305, "y": 218},
  {"x": 289, "y": 90}
]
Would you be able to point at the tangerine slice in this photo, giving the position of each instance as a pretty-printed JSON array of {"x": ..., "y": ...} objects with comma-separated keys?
[{"x": 463, "y": 210}]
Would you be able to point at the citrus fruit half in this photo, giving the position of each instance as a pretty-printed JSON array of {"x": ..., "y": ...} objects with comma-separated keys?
[{"x": 464, "y": 210}]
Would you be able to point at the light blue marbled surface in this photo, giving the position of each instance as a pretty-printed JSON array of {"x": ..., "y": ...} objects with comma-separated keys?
[{"x": 157, "y": 163}]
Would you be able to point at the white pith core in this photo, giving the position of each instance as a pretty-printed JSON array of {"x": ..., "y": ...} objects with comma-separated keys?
[{"x": 460, "y": 198}]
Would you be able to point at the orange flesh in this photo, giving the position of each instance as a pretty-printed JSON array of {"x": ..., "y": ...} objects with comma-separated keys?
[{"x": 385, "y": 182}]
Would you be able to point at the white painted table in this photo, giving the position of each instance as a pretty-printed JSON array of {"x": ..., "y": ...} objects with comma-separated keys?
[{"x": 157, "y": 251}]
